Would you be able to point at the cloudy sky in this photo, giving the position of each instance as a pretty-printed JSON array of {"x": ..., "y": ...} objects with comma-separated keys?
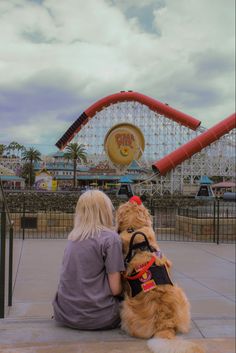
[{"x": 57, "y": 57}]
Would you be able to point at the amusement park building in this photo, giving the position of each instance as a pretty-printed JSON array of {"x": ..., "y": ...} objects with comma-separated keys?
[
  {"x": 93, "y": 175},
  {"x": 178, "y": 150}
]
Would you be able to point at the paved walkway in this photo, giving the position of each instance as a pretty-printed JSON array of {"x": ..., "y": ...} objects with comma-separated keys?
[{"x": 205, "y": 271}]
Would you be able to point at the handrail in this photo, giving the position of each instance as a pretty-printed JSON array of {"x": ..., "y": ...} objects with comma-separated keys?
[
  {"x": 2, "y": 194},
  {"x": 5, "y": 217}
]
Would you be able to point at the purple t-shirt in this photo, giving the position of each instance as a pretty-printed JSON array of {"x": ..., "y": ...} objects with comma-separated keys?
[{"x": 84, "y": 299}]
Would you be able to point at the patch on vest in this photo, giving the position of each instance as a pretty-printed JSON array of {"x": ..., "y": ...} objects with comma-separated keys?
[
  {"x": 147, "y": 282},
  {"x": 149, "y": 285},
  {"x": 154, "y": 276}
]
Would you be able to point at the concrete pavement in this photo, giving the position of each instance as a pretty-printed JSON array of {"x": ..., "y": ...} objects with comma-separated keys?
[{"x": 205, "y": 271}]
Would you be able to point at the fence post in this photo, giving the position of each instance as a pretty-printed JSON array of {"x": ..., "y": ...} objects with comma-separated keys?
[
  {"x": 2, "y": 262},
  {"x": 152, "y": 213},
  {"x": 214, "y": 221},
  {"x": 10, "y": 266},
  {"x": 152, "y": 207},
  {"x": 218, "y": 222},
  {"x": 23, "y": 223}
]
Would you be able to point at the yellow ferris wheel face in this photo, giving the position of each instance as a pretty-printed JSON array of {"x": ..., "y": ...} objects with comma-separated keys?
[{"x": 124, "y": 143}]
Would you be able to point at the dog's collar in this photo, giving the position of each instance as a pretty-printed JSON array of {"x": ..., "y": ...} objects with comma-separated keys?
[
  {"x": 143, "y": 246},
  {"x": 129, "y": 230}
]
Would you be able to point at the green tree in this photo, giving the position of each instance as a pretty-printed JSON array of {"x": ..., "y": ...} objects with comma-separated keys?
[
  {"x": 14, "y": 148},
  {"x": 2, "y": 149},
  {"x": 30, "y": 156},
  {"x": 20, "y": 149},
  {"x": 76, "y": 153},
  {"x": 27, "y": 172}
]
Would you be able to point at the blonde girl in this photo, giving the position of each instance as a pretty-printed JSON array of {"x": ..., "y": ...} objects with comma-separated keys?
[{"x": 90, "y": 281}]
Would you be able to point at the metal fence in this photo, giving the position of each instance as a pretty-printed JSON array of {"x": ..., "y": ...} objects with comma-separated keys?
[
  {"x": 212, "y": 222},
  {"x": 48, "y": 224}
]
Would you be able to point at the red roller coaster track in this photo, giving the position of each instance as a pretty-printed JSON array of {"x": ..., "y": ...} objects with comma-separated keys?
[
  {"x": 174, "y": 158},
  {"x": 186, "y": 151},
  {"x": 153, "y": 104}
]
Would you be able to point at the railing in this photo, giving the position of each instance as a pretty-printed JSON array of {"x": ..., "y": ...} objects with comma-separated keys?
[
  {"x": 212, "y": 221},
  {"x": 6, "y": 243}
]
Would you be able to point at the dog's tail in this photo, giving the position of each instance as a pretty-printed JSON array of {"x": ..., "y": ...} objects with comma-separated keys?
[{"x": 163, "y": 345}]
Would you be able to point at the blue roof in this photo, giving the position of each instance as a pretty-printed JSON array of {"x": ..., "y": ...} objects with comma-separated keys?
[
  {"x": 88, "y": 177},
  {"x": 99, "y": 177},
  {"x": 58, "y": 154},
  {"x": 126, "y": 180},
  {"x": 205, "y": 180},
  {"x": 83, "y": 168},
  {"x": 60, "y": 166},
  {"x": 11, "y": 178},
  {"x": 134, "y": 166}
]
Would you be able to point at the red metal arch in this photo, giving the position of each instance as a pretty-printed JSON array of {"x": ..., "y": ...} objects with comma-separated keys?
[
  {"x": 190, "y": 148},
  {"x": 123, "y": 96}
]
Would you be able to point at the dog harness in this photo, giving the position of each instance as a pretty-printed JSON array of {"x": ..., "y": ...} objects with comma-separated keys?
[{"x": 146, "y": 276}]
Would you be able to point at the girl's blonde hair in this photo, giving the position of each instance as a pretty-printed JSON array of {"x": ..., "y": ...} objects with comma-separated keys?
[{"x": 93, "y": 213}]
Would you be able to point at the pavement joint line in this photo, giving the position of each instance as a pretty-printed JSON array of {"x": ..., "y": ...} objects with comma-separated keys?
[
  {"x": 219, "y": 257},
  {"x": 214, "y": 318},
  {"x": 205, "y": 286},
  {"x": 27, "y": 320},
  {"x": 18, "y": 266},
  {"x": 198, "y": 328},
  {"x": 30, "y": 302},
  {"x": 48, "y": 319}
]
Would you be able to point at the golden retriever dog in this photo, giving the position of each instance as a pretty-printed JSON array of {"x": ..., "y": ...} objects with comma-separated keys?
[{"x": 153, "y": 306}]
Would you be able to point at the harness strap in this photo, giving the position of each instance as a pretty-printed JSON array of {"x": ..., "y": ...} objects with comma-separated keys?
[
  {"x": 131, "y": 246},
  {"x": 144, "y": 269}
]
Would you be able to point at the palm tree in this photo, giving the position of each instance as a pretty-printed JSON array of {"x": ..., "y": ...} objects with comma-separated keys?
[
  {"x": 2, "y": 149},
  {"x": 31, "y": 156},
  {"x": 76, "y": 153},
  {"x": 20, "y": 149},
  {"x": 14, "y": 148}
]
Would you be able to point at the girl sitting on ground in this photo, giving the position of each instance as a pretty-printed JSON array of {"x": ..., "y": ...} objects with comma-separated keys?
[{"x": 90, "y": 280}]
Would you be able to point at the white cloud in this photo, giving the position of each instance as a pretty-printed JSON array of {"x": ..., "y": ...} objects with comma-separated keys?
[
  {"x": 42, "y": 132},
  {"x": 93, "y": 48}
]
